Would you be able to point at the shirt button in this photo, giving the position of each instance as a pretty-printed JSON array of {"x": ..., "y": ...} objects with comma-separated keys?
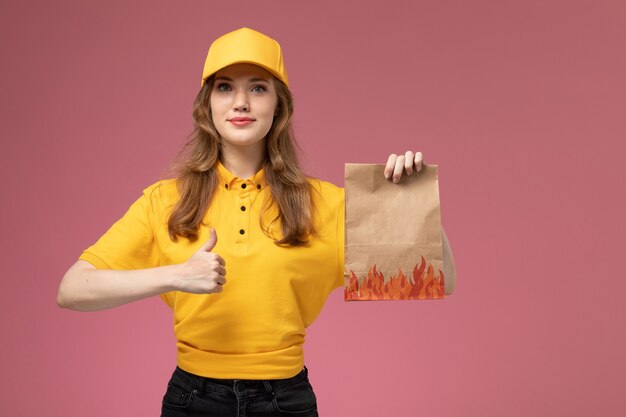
[
  {"x": 258, "y": 186},
  {"x": 243, "y": 185},
  {"x": 241, "y": 232},
  {"x": 243, "y": 208}
]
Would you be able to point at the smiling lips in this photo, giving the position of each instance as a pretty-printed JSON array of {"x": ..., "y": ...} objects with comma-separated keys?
[{"x": 241, "y": 121}]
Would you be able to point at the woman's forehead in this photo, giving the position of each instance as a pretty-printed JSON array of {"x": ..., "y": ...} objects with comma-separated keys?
[{"x": 243, "y": 70}]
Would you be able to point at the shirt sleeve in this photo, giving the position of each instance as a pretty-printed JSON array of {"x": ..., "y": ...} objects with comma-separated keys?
[{"x": 130, "y": 242}]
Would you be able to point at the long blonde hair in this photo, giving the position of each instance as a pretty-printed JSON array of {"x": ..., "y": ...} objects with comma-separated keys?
[{"x": 197, "y": 176}]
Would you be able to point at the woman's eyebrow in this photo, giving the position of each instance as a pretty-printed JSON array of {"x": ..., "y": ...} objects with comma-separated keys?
[
  {"x": 256, "y": 80},
  {"x": 252, "y": 80}
]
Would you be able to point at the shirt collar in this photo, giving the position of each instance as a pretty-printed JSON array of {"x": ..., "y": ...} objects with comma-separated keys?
[{"x": 228, "y": 180}]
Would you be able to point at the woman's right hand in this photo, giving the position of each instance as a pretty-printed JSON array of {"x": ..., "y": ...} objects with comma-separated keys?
[
  {"x": 85, "y": 288},
  {"x": 204, "y": 272}
]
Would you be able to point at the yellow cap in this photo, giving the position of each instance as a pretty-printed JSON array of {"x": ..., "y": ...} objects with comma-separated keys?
[{"x": 245, "y": 46}]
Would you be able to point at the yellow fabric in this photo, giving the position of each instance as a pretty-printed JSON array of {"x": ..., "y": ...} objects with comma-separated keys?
[
  {"x": 255, "y": 328},
  {"x": 245, "y": 45}
]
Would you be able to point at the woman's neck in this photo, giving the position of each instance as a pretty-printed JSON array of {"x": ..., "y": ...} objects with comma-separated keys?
[{"x": 243, "y": 162}]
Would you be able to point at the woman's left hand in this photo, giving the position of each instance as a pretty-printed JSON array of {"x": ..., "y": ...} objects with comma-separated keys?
[{"x": 397, "y": 164}]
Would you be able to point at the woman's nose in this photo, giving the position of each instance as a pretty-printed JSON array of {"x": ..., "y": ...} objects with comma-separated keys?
[{"x": 241, "y": 101}]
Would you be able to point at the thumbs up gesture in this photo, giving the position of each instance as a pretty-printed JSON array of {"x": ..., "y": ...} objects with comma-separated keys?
[{"x": 204, "y": 272}]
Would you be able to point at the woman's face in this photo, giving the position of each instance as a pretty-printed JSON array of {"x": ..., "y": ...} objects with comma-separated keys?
[{"x": 243, "y": 104}]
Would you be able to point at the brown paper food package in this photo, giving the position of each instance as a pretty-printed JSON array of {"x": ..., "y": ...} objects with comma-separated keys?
[{"x": 393, "y": 235}]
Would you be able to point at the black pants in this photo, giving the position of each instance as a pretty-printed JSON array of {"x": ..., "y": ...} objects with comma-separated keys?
[{"x": 189, "y": 395}]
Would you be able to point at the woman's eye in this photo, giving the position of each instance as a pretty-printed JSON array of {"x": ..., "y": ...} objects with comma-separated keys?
[
  {"x": 223, "y": 87},
  {"x": 258, "y": 89}
]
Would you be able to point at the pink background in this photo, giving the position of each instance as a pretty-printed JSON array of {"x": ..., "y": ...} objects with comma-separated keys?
[{"x": 521, "y": 104}]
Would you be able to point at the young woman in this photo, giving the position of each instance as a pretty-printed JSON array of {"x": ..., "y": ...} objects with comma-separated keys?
[{"x": 239, "y": 334}]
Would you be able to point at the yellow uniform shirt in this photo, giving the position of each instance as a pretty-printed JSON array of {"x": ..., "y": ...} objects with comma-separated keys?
[{"x": 255, "y": 328}]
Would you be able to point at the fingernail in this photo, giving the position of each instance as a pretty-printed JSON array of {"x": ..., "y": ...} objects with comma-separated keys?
[{"x": 387, "y": 175}]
